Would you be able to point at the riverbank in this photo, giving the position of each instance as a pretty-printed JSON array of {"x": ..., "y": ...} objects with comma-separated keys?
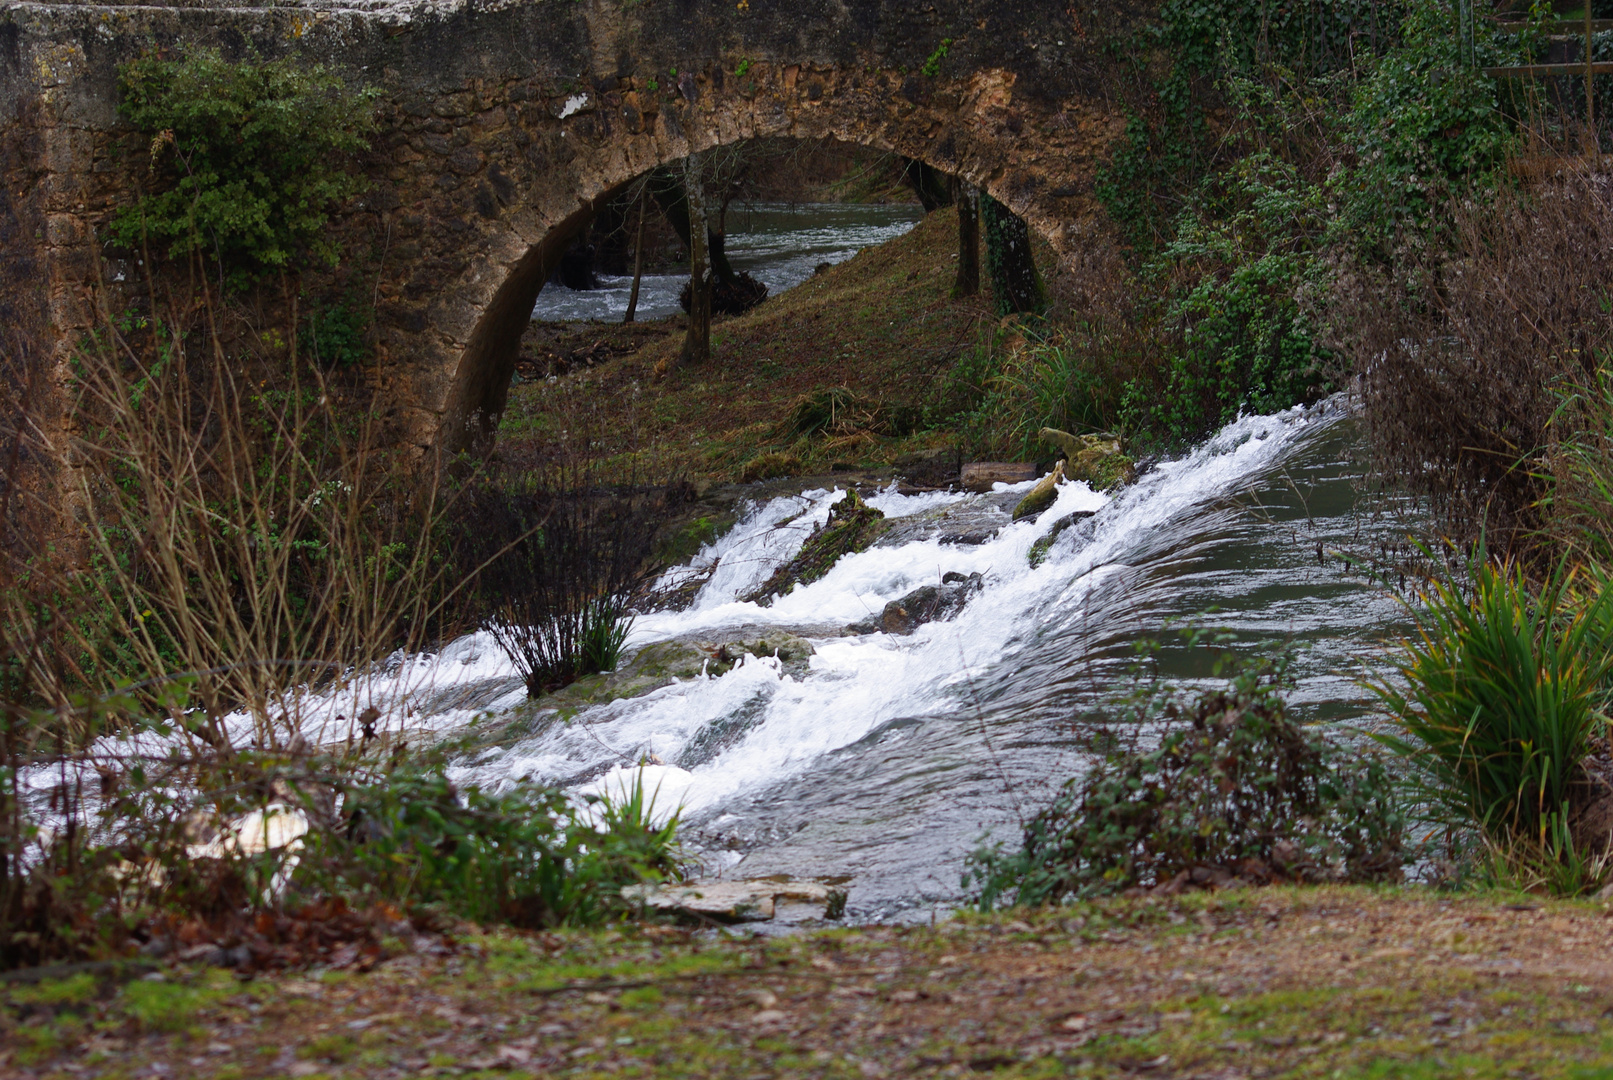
[
  {"x": 1291, "y": 982},
  {"x": 883, "y": 326}
]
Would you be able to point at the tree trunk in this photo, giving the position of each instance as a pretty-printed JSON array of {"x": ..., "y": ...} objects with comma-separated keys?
[
  {"x": 638, "y": 263},
  {"x": 697, "y": 341},
  {"x": 1015, "y": 284},
  {"x": 967, "y": 201},
  {"x": 672, "y": 196}
]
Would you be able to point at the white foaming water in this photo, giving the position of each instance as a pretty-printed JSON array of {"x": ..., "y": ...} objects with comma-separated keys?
[
  {"x": 774, "y": 723},
  {"x": 762, "y": 725}
]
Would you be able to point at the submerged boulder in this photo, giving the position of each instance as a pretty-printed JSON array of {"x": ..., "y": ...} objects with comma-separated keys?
[
  {"x": 1038, "y": 552},
  {"x": 928, "y": 603},
  {"x": 789, "y": 648},
  {"x": 853, "y": 526}
]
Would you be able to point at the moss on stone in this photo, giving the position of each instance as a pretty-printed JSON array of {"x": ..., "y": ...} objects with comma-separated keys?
[{"x": 853, "y": 526}]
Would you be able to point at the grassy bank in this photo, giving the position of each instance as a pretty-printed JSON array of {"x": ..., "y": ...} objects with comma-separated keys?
[
  {"x": 883, "y": 325},
  {"x": 1277, "y": 982}
]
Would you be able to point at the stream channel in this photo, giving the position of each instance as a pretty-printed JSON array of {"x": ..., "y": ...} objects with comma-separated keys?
[
  {"x": 879, "y": 761},
  {"x": 780, "y": 244}
]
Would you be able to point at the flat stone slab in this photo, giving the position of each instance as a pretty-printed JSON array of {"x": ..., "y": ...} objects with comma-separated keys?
[{"x": 740, "y": 901}]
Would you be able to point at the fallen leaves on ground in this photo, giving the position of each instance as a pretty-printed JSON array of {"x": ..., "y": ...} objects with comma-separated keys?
[{"x": 1289, "y": 982}]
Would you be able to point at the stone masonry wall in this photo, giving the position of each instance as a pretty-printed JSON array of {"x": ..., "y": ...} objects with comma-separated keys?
[{"x": 503, "y": 126}]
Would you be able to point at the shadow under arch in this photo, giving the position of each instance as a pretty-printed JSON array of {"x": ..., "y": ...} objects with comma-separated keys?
[{"x": 479, "y": 393}]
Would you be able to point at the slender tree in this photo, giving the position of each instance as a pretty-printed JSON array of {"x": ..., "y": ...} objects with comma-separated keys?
[
  {"x": 638, "y": 260},
  {"x": 967, "y": 200},
  {"x": 697, "y": 341}
]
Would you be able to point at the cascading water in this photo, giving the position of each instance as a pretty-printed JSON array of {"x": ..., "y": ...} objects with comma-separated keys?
[{"x": 880, "y": 762}]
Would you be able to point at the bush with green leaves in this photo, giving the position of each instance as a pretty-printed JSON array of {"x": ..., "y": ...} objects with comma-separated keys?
[
  {"x": 1237, "y": 336},
  {"x": 1234, "y": 785},
  {"x": 250, "y": 158},
  {"x": 529, "y": 856},
  {"x": 1497, "y": 701}
]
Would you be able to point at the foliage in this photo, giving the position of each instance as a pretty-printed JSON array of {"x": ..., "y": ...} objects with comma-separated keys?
[
  {"x": 245, "y": 532},
  {"x": 1578, "y": 507},
  {"x": 1494, "y": 419},
  {"x": 1237, "y": 336},
  {"x": 336, "y": 335},
  {"x": 251, "y": 158},
  {"x": 1422, "y": 124},
  {"x": 1497, "y": 700},
  {"x": 1234, "y": 784},
  {"x": 528, "y": 856}
]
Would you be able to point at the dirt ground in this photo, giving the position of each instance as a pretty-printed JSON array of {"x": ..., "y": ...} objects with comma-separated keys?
[{"x": 1326, "y": 982}]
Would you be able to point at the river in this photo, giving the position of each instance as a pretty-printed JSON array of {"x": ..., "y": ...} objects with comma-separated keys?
[
  {"x": 884, "y": 761},
  {"x": 780, "y": 244}
]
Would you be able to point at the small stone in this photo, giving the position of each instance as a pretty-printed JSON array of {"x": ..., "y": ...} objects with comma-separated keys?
[{"x": 768, "y": 1017}]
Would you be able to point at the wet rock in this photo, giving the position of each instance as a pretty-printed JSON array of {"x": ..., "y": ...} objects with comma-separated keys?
[
  {"x": 1042, "y": 496},
  {"x": 787, "y": 647},
  {"x": 740, "y": 901},
  {"x": 978, "y": 476},
  {"x": 928, "y": 603},
  {"x": 1038, "y": 552},
  {"x": 930, "y": 468},
  {"x": 853, "y": 526},
  {"x": 1097, "y": 460}
]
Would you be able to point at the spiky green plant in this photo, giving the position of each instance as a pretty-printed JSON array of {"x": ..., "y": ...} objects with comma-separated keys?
[{"x": 1497, "y": 699}]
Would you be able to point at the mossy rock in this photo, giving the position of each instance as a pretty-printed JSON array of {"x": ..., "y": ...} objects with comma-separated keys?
[
  {"x": 769, "y": 467},
  {"x": 1099, "y": 460},
  {"x": 853, "y": 526},
  {"x": 682, "y": 544},
  {"x": 1043, "y": 495}
]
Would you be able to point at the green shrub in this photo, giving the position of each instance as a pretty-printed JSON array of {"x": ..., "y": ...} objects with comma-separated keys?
[
  {"x": 251, "y": 158},
  {"x": 1234, "y": 785},
  {"x": 335, "y": 335},
  {"x": 528, "y": 856},
  {"x": 1497, "y": 699},
  {"x": 1237, "y": 337}
]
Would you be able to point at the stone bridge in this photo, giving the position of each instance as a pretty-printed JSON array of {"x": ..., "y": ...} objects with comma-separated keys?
[{"x": 505, "y": 124}]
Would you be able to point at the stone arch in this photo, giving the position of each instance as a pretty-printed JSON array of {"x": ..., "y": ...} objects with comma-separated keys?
[
  {"x": 477, "y": 393},
  {"x": 504, "y": 125}
]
